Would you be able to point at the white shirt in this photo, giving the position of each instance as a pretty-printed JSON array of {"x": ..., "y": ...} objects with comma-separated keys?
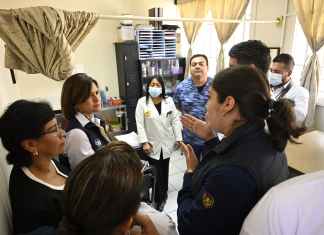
[
  {"x": 294, "y": 207},
  {"x": 300, "y": 96},
  {"x": 77, "y": 144},
  {"x": 162, "y": 131}
]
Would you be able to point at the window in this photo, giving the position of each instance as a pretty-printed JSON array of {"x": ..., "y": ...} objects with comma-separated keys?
[
  {"x": 301, "y": 51},
  {"x": 207, "y": 41}
]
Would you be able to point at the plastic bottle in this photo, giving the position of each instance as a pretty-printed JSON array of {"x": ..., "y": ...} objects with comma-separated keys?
[{"x": 103, "y": 96}]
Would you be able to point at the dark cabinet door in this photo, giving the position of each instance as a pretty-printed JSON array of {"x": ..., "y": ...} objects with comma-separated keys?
[
  {"x": 128, "y": 70},
  {"x": 132, "y": 87},
  {"x": 129, "y": 81}
]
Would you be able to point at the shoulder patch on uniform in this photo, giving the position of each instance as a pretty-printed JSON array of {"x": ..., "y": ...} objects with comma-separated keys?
[{"x": 208, "y": 200}]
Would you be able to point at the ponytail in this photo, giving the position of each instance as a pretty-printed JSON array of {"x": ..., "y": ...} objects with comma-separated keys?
[
  {"x": 282, "y": 123},
  {"x": 250, "y": 89}
]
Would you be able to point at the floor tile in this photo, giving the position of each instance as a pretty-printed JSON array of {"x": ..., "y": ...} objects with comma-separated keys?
[
  {"x": 173, "y": 169},
  {"x": 180, "y": 164},
  {"x": 171, "y": 204},
  {"x": 176, "y": 181}
]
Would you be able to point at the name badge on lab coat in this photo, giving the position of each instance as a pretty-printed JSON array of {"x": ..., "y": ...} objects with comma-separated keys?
[{"x": 147, "y": 114}]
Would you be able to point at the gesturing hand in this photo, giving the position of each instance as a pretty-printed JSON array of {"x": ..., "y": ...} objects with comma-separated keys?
[
  {"x": 197, "y": 126},
  {"x": 191, "y": 158},
  {"x": 147, "y": 148}
]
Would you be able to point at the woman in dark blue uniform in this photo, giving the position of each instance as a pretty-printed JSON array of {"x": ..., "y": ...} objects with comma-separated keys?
[
  {"x": 86, "y": 132},
  {"x": 234, "y": 173}
]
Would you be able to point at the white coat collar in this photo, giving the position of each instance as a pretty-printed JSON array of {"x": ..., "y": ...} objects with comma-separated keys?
[{"x": 163, "y": 106}]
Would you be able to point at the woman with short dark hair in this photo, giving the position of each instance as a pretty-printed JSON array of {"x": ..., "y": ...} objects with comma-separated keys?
[
  {"x": 234, "y": 173},
  {"x": 103, "y": 194},
  {"x": 30, "y": 134},
  {"x": 86, "y": 132}
]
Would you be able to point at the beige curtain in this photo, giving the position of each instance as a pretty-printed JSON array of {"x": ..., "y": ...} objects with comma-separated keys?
[
  {"x": 42, "y": 39},
  {"x": 191, "y": 9},
  {"x": 226, "y": 9},
  {"x": 310, "y": 14}
]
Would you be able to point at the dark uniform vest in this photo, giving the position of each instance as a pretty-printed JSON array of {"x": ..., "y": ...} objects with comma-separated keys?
[
  {"x": 95, "y": 137},
  {"x": 249, "y": 148}
]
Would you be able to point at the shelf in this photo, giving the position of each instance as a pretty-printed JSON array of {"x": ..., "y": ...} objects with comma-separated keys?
[
  {"x": 113, "y": 107},
  {"x": 156, "y": 44}
]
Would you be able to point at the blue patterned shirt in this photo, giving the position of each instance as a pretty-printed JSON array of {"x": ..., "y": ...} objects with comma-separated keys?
[{"x": 188, "y": 99}]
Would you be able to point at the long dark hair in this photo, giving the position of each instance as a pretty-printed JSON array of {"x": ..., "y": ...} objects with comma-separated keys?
[
  {"x": 23, "y": 120},
  {"x": 160, "y": 80},
  {"x": 250, "y": 89},
  {"x": 103, "y": 191},
  {"x": 76, "y": 89}
]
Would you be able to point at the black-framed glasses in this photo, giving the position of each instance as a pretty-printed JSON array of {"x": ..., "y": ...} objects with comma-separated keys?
[{"x": 54, "y": 129}]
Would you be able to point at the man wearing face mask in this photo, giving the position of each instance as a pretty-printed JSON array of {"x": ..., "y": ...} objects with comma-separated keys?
[
  {"x": 191, "y": 98},
  {"x": 282, "y": 85}
]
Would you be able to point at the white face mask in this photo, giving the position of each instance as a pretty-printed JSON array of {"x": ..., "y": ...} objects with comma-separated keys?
[
  {"x": 155, "y": 91},
  {"x": 275, "y": 79}
]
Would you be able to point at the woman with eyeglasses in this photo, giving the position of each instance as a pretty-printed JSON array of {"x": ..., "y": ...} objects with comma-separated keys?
[
  {"x": 159, "y": 130},
  {"x": 30, "y": 134}
]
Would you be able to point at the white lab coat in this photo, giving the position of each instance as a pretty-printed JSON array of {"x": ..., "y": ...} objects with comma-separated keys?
[
  {"x": 300, "y": 96},
  {"x": 162, "y": 131},
  {"x": 294, "y": 207}
]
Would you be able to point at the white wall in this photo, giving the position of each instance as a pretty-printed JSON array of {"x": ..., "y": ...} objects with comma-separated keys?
[{"x": 96, "y": 53}]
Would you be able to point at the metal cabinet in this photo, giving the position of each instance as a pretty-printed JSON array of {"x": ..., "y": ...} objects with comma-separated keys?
[{"x": 128, "y": 78}]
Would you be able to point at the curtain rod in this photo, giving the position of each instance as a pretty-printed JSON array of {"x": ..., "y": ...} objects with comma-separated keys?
[{"x": 146, "y": 18}]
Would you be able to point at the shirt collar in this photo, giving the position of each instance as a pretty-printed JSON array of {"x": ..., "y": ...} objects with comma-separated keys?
[
  {"x": 282, "y": 87},
  {"x": 84, "y": 121},
  {"x": 207, "y": 82}
]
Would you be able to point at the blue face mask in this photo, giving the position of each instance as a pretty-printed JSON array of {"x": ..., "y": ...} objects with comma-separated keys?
[
  {"x": 275, "y": 79},
  {"x": 155, "y": 91}
]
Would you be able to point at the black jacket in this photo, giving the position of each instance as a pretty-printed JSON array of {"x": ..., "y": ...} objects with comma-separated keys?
[
  {"x": 232, "y": 176},
  {"x": 95, "y": 137}
]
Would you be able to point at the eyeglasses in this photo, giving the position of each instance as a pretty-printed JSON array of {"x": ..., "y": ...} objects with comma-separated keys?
[{"x": 55, "y": 129}]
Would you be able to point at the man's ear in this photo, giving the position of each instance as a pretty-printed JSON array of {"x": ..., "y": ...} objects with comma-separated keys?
[
  {"x": 229, "y": 103},
  {"x": 29, "y": 145}
]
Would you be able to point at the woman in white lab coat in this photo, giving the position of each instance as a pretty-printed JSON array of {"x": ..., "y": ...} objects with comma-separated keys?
[{"x": 159, "y": 130}]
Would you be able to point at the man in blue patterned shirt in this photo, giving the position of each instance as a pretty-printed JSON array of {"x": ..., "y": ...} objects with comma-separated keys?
[{"x": 191, "y": 97}]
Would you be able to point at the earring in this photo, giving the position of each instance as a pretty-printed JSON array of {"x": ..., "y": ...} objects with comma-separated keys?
[{"x": 35, "y": 154}]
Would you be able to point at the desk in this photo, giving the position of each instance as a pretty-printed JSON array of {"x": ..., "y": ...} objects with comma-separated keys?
[{"x": 308, "y": 156}]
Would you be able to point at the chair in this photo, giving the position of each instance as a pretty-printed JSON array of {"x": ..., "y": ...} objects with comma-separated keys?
[{"x": 148, "y": 190}]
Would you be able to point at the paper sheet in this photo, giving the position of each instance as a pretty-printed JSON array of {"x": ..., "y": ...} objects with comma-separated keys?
[{"x": 130, "y": 138}]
